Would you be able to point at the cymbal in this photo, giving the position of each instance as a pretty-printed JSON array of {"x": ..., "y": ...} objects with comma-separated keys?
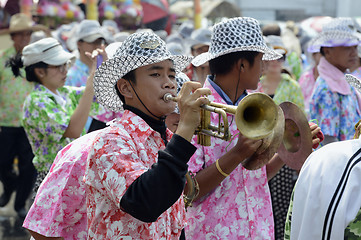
[
  {"x": 297, "y": 139},
  {"x": 261, "y": 158}
]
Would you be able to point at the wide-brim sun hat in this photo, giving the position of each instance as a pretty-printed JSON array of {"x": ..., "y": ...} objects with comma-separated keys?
[
  {"x": 47, "y": 50},
  {"x": 276, "y": 43},
  {"x": 21, "y": 22},
  {"x": 339, "y": 32},
  {"x": 236, "y": 35},
  {"x": 138, "y": 50}
]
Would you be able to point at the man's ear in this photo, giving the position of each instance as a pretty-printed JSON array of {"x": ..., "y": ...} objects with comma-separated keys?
[
  {"x": 124, "y": 88},
  {"x": 240, "y": 65}
]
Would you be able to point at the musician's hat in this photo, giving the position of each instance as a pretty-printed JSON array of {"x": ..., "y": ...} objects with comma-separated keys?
[
  {"x": 139, "y": 49},
  {"x": 236, "y": 35}
]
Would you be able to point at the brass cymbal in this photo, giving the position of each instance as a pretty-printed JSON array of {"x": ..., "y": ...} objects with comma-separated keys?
[
  {"x": 260, "y": 158},
  {"x": 297, "y": 139}
]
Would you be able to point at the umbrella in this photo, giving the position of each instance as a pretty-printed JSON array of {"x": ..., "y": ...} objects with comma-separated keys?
[
  {"x": 211, "y": 9},
  {"x": 313, "y": 25},
  {"x": 154, "y": 10}
]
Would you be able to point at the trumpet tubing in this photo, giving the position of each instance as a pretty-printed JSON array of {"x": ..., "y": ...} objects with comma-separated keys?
[{"x": 255, "y": 116}]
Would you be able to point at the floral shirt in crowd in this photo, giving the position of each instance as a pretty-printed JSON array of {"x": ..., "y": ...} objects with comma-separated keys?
[
  {"x": 59, "y": 208},
  {"x": 120, "y": 154},
  {"x": 240, "y": 207},
  {"x": 46, "y": 117},
  {"x": 307, "y": 82},
  {"x": 13, "y": 91},
  {"x": 288, "y": 90},
  {"x": 77, "y": 74},
  {"x": 337, "y": 114}
]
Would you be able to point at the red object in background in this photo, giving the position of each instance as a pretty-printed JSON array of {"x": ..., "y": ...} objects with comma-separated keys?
[{"x": 154, "y": 10}]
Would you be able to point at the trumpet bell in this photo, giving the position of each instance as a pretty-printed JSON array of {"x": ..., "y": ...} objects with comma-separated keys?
[
  {"x": 270, "y": 145},
  {"x": 256, "y": 116}
]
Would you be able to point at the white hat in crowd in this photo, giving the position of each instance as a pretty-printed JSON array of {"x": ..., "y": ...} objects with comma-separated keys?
[
  {"x": 47, "y": 50},
  {"x": 336, "y": 33}
]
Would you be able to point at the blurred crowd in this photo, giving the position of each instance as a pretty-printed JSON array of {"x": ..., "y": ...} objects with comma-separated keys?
[{"x": 310, "y": 72}]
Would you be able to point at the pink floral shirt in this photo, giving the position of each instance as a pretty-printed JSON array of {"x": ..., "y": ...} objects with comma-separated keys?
[
  {"x": 120, "y": 154},
  {"x": 240, "y": 207},
  {"x": 59, "y": 208},
  {"x": 307, "y": 82}
]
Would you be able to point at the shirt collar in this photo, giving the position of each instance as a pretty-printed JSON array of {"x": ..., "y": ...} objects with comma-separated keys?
[
  {"x": 57, "y": 97},
  {"x": 221, "y": 93}
]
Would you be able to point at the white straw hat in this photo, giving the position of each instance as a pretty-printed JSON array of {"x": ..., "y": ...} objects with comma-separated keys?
[
  {"x": 47, "y": 50},
  {"x": 336, "y": 33},
  {"x": 276, "y": 43},
  {"x": 236, "y": 35},
  {"x": 139, "y": 49}
]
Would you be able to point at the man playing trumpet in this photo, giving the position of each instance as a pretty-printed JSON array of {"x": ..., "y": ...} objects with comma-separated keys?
[{"x": 233, "y": 202}]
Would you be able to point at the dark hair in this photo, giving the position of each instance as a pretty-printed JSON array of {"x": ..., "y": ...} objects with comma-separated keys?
[
  {"x": 30, "y": 73},
  {"x": 322, "y": 51},
  {"x": 224, "y": 64},
  {"x": 271, "y": 29},
  {"x": 16, "y": 63},
  {"x": 130, "y": 76}
]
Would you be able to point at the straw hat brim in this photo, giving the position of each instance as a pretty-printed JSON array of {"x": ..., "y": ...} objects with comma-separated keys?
[
  {"x": 107, "y": 75},
  {"x": 334, "y": 39},
  {"x": 269, "y": 54},
  {"x": 37, "y": 27}
]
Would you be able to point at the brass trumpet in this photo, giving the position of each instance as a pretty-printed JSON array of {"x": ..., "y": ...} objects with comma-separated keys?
[{"x": 256, "y": 116}]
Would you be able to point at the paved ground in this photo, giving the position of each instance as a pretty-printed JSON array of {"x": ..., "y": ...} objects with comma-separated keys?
[{"x": 10, "y": 224}]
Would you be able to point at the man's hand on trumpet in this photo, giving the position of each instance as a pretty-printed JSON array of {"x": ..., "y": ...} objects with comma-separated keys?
[{"x": 190, "y": 99}]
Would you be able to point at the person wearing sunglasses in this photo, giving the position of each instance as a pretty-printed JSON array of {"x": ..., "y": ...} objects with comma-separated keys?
[{"x": 53, "y": 114}]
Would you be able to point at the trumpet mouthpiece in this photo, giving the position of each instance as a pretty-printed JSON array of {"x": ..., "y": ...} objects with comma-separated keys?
[{"x": 167, "y": 97}]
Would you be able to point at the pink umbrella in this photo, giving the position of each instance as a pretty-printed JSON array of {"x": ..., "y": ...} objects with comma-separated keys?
[
  {"x": 154, "y": 10},
  {"x": 313, "y": 25}
]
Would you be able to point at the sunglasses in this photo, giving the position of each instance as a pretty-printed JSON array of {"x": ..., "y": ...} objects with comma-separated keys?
[{"x": 62, "y": 68}]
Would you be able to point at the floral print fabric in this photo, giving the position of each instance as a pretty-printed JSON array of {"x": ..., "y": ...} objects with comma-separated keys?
[
  {"x": 337, "y": 114},
  {"x": 120, "y": 154},
  {"x": 77, "y": 74},
  {"x": 307, "y": 82},
  {"x": 240, "y": 207},
  {"x": 13, "y": 91},
  {"x": 287, "y": 90},
  {"x": 46, "y": 119},
  {"x": 59, "y": 208}
]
